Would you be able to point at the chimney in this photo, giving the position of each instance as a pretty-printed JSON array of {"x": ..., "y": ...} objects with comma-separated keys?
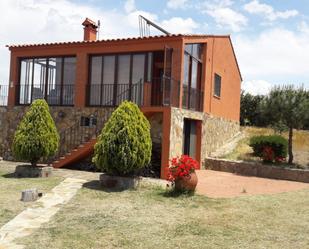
[{"x": 90, "y": 30}]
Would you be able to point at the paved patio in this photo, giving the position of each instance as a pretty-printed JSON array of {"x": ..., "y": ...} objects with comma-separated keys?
[{"x": 217, "y": 184}]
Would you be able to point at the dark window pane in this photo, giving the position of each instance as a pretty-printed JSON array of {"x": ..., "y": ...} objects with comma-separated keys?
[
  {"x": 149, "y": 69},
  {"x": 217, "y": 89},
  {"x": 108, "y": 80},
  {"x": 69, "y": 77},
  {"x": 109, "y": 70},
  {"x": 138, "y": 68},
  {"x": 138, "y": 71},
  {"x": 123, "y": 78},
  {"x": 123, "y": 69},
  {"x": 186, "y": 69},
  {"x": 96, "y": 76},
  {"x": 96, "y": 70}
]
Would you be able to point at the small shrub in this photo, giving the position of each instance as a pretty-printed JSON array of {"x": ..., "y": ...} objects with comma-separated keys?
[
  {"x": 124, "y": 145},
  {"x": 269, "y": 148},
  {"x": 36, "y": 136}
]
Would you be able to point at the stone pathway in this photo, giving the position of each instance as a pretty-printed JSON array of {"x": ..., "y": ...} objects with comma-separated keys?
[{"x": 32, "y": 218}]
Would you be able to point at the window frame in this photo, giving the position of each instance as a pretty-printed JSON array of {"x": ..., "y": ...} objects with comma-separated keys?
[
  {"x": 199, "y": 62},
  {"x": 215, "y": 93},
  {"x": 33, "y": 58},
  {"x": 116, "y": 67}
]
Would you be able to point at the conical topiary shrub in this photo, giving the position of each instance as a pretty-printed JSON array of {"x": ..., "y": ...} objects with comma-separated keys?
[
  {"x": 36, "y": 136},
  {"x": 124, "y": 145}
]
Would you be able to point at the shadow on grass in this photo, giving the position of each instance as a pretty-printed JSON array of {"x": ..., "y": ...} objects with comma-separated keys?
[
  {"x": 10, "y": 175},
  {"x": 176, "y": 193},
  {"x": 96, "y": 185}
]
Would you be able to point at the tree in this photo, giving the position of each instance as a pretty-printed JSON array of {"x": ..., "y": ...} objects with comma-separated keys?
[
  {"x": 288, "y": 106},
  {"x": 250, "y": 113},
  {"x": 124, "y": 144},
  {"x": 36, "y": 136}
]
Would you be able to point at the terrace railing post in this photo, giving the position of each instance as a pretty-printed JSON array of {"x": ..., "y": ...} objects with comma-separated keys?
[
  {"x": 140, "y": 92},
  {"x": 163, "y": 89}
]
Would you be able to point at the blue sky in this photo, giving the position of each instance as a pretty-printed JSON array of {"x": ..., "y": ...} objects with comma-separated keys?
[{"x": 271, "y": 38}]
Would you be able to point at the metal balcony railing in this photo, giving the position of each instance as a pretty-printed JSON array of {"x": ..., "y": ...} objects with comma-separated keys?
[
  {"x": 54, "y": 94},
  {"x": 192, "y": 98}
]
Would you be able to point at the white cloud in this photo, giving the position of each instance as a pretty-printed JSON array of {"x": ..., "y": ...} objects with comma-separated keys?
[
  {"x": 228, "y": 18},
  {"x": 255, "y": 7},
  {"x": 179, "y": 25},
  {"x": 129, "y": 6},
  {"x": 303, "y": 27},
  {"x": 256, "y": 87},
  {"x": 278, "y": 55},
  {"x": 224, "y": 16},
  {"x": 176, "y": 4}
]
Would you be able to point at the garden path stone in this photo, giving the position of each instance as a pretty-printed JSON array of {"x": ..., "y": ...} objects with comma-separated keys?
[{"x": 32, "y": 218}]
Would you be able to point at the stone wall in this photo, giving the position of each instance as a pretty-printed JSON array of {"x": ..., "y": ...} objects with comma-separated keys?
[
  {"x": 64, "y": 117},
  {"x": 257, "y": 169},
  {"x": 156, "y": 121},
  {"x": 176, "y": 133},
  {"x": 215, "y": 131}
]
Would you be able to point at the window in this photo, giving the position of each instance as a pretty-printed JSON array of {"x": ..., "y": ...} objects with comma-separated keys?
[
  {"x": 51, "y": 78},
  {"x": 217, "y": 86},
  {"x": 115, "y": 78},
  {"x": 192, "y": 95}
]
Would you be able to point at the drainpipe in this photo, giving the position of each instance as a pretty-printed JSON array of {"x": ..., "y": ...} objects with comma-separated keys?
[{"x": 212, "y": 78}]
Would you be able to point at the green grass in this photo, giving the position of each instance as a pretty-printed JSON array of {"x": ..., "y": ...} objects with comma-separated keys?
[
  {"x": 147, "y": 218},
  {"x": 10, "y": 192},
  {"x": 300, "y": 146}
]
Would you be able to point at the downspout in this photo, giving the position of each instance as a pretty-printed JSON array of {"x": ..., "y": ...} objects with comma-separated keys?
[{"x": 212, "y": 78}]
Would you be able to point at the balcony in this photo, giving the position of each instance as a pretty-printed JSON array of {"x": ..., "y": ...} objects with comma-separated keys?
[
  {"x": 192, "y": 98},
  {"x": 55, "y": 95},
  {"x": 163, "y": 91}
]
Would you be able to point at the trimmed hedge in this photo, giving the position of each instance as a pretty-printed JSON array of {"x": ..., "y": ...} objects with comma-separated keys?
[
  {"x": 124, "y": 145},
  {"x": 36, "y": 136},
  {"x": 270, "y": 148}
]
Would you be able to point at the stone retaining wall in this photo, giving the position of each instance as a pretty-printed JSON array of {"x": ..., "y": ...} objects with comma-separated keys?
[
  {"x": 64, "y": 117},
  {"x": 257, "y": 169}
]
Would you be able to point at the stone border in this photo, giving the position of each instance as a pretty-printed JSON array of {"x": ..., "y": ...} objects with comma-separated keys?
[
  {"x": 257, "y": 169},
  {"x": 28, "y": 171},
  {"x": 122, "y": 183}
]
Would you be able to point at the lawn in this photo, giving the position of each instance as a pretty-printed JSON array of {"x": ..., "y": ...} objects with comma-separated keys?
[
  {"x": 10, "y": 191},
  {"x": 300, "y": 146},
  {"x": 147, "y": 218}
]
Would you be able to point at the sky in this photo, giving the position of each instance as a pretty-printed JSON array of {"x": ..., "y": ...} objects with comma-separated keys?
[{"x": 270, "y": 37}]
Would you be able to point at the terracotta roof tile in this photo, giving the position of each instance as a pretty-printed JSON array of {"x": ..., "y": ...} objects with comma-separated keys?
[{"x": 112, "y": 40}]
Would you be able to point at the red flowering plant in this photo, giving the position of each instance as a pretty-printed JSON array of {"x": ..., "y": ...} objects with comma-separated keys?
[
  {"x": 269, "y": 155},
  {"x": 181, "y": 167}
]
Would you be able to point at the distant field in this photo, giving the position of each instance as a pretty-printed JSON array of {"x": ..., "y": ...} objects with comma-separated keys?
[{"x": 300, "y": 146}]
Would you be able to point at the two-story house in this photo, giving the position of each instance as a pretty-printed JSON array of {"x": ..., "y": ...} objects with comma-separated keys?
[{"x": 188, "y": 86}]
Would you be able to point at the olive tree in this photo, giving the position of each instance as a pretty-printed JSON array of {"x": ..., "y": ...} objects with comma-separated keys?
[{"x": 287, "y": 106}]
